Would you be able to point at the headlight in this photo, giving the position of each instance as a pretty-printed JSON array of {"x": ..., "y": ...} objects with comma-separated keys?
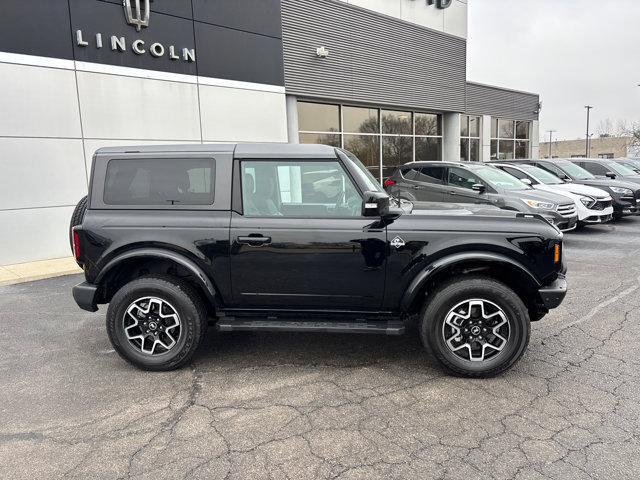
[
  {"x": 622, "y": 191},
  {"x": 539, "y": 205},
  {"x": 587, "y": 201}
]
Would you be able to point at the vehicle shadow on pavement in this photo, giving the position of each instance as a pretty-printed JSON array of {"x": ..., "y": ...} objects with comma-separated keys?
[{"x": 260, "y": 349}]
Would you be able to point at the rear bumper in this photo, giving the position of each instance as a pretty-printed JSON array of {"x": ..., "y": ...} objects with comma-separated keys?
[
  {"x": 85, "y": 295},
  {"x": 552, "y": 295}
]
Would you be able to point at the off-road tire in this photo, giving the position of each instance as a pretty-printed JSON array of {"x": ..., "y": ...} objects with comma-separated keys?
[
  {"x": 457, "y": 290},
  {"x": 188, "y": 305},
  {"x": 76, "y": 218}
]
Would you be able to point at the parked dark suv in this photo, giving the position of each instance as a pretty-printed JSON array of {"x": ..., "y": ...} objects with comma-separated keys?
[
  {"x": 479, "y": 183},
  {"x": 625, "y": 195},
  {"x": 605, "y": 168},
  {"x": 299, "y": 238}
]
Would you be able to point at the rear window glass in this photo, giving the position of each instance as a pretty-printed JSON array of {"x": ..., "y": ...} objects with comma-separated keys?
[{"x": 161, "y": 182}]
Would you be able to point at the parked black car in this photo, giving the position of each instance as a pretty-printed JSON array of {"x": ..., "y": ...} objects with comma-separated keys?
[
  {"x": 478, "y": 183},
  {"x": 299, "y": 237},
  {"x": 605, "y": 168},
  {"x": 625, "y": 195}
]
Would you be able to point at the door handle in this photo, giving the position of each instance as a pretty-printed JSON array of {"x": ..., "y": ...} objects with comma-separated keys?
[
  {"x": 255, "y": 240},
  {"x": 416, "y": 187},
  {"x": 452, "y": 192}
]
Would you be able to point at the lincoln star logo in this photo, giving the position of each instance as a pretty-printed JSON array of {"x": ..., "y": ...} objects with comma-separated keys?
[
  {"x": 397, "y": 242},
  {"x": 138, "y": 15}
]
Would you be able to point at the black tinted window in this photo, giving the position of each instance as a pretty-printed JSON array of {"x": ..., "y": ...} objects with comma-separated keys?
[
  {"x": 462, "y": 178},
  {"x": 515, "y": 172},
  {"x": 594, "y": 168},
  {"x": 425, "y": 174},
  {"x": 159, "y": 182}
]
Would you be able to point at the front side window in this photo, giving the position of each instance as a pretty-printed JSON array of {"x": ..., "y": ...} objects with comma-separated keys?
[
  {"x": 459, "y": 177},
  {"x": 619, "y": 169},
  {"x": 159, "y": 182},
  {"x": 301, "y": 189},
  {"x": 497, "y": 178},
  {"x": 575, "y": 171}
]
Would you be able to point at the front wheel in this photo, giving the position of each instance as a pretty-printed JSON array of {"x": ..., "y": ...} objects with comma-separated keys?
[
  {"x": 156, "y": 323},
  {"x": 476, "y": 326}
]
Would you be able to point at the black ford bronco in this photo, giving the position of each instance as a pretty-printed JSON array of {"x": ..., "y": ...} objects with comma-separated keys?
[{"x": 278, "y": 237}]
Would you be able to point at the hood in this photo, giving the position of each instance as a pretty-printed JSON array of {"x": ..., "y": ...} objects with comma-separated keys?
[
  {"x": 608, "y": 182},
  {"x": 540, "y": 196},
  {"x": 464, "y": 220},
  {"x": 579, "y": 189},
  {"x": 457, "y": 209}
]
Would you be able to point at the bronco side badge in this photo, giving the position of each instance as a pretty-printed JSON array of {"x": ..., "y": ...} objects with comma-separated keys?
[{"x": 397, "y": 242}]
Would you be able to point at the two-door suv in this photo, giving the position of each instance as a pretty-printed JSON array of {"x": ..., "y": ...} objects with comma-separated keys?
[{"x": 284, "y": 237}]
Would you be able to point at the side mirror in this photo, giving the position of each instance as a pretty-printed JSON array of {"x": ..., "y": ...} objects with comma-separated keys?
[
  {"x": 610, "y": 175},
  {"x": 478, "y": 187},
  {"x": 378, "y": 204},
  {"x": 375, "y": 204},
  {"x": 526, "y": 181}
]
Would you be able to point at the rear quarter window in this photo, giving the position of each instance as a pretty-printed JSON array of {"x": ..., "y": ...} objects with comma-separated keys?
[{"x": 159, "y": 182}]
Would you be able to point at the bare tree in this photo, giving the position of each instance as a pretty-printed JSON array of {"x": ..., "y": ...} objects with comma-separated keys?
[{"x": 605, "y": 128}]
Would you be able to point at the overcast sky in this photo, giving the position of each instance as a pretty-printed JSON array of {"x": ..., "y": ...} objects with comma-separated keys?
[{"x": 572, "y": 52}]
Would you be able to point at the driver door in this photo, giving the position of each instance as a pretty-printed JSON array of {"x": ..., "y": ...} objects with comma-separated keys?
[
  {"x": 459, "y": 183},
  {"x": 300, "y": 240}
]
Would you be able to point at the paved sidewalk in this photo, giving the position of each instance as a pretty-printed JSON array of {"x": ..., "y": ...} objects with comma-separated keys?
[{"x": 27, "y": 272}]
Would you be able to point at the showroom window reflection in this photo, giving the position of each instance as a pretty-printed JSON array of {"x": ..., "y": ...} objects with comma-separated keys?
[
  {"x": 510, "y": 139},
  {"x": 379, "y": 138},
  {"x": 470, "y": 138}
]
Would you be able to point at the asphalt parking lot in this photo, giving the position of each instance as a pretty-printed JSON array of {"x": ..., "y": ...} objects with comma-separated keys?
[{"x": 330, "y": 406}]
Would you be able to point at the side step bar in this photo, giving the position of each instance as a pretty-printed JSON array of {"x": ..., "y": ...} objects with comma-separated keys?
[{"x": 230, "y": 324}]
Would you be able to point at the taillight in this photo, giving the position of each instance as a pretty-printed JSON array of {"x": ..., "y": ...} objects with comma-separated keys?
[
  {"x": 388, "y": 182},
  {"x": 76, "y": 244}
]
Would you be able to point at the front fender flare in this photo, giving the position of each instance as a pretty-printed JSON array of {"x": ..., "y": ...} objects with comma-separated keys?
[
  {"x": 483, "y": 257},
  {"x": 164, "y": 254}
]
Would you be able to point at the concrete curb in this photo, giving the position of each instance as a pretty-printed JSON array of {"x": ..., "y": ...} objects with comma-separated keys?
[{"x": 29, "y": 272}]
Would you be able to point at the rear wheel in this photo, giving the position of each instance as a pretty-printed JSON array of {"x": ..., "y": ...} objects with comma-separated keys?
[
  {"x": 76, "y": 218},
  {"x": 156, "y": 323},
  {"x": 476, "y": 326}
]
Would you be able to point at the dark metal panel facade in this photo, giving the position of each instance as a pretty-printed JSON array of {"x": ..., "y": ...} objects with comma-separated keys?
[
  {"x": 374, "y": 59},
  {"x": 36, "y": 27},
  {"x": 499, "y": 102}
]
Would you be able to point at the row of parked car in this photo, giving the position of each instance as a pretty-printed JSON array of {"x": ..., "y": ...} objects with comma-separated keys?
[{"x": 568, "y": 193}]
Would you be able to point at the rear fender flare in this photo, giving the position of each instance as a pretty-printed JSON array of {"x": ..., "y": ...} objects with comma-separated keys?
[
  {"x": 181, "y": 260},
  {"x": 488, "y": 258}
]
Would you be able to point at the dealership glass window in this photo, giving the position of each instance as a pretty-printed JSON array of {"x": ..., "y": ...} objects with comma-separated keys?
[
  {"x": 376, "y": 136},
  {"x": 318, "y": 117},
  {"x": 367, "y": 149},
  {"x": 469, "y": 138},
  {"x": 510, "y": 139}
]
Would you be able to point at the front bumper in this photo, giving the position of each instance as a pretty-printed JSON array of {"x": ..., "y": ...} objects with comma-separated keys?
[
  {"x": 563, "y": 224},
  {"x": 85, "y": 294},
  {"x": 552, "y": 295}
]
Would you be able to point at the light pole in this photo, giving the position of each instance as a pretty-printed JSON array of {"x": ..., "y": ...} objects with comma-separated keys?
[
  {"x": 588, "y": 107},
  {"x": 551, "y": 132}
]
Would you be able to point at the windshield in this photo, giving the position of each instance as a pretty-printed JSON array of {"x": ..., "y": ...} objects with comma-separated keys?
[
  {"x": 619, "y": 169},
  {"x": 543, "y": 176},
  {"x": 497, "y": 178},
  {"x": 364, "y": 174},
  {"x": 574, "y": 171}
]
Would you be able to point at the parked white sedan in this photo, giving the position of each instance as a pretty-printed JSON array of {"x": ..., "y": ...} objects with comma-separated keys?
[{"x": 593, "y": 205}]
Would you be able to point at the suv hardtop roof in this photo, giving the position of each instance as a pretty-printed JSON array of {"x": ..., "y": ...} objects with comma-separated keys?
[{"x": 240, "y": 150}]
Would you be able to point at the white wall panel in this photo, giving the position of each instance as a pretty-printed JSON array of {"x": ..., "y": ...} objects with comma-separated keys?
[
  {"x": 117, "y": 107},
  {"x": 230, "y": 115},
  {"x": 35, "y": 234},
  {"x": 452, "y": 20},
  {"x": 38, "y": 102},
  {"x": 90, "y": 147},
  {"x": 455, "y": 19},
  {"x": 40, "y": 172}
]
